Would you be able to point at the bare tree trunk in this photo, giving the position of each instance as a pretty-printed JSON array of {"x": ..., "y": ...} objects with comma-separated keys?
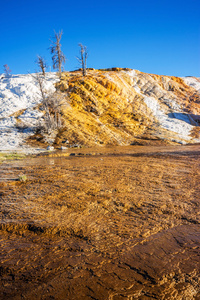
[
  {"x": 51, "y": 104},
  {"x": 83, "y": 58},
  {"x": 58, "y": 57},
  {"x": 42, "y": 64}
]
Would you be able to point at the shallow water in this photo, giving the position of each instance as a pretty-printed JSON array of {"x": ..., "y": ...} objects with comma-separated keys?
[{"x": 104, "y": 223}]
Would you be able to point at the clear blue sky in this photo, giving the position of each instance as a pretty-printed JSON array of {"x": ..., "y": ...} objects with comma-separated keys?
[{"x": 154, "y": 36}]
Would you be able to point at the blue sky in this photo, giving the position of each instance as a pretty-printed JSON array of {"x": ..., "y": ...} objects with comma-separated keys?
[{"x": 161, "y": 37}]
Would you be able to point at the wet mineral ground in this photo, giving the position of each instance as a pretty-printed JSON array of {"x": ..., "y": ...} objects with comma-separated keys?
[{"x": 118, "y": 223}]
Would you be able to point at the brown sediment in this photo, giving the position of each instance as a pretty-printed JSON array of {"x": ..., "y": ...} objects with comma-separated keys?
[
  {"x": 99, "y": 112},
  {"x": 108, "y": 107},
  {"x": 104, "y": 223},
  {"x": 171, "y": 88}
]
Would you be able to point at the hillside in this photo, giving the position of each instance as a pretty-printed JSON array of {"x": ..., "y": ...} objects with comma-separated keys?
[
  {"x": 19, "y": 113},
  {"x": 107, "y": 107},
  {"x": 119, "y": 223}
]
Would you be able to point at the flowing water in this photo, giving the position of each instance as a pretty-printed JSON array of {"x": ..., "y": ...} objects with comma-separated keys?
[{"x": 106, "y": 223}]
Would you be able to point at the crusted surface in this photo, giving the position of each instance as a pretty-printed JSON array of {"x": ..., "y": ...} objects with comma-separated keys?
[
  {"x": 120, "y": 223},
  {"x": 122, "y": 107}
]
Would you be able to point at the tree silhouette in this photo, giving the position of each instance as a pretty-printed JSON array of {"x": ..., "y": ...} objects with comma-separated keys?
[
  {"x": 40, "y": 61},
  {"x": 58, "y": 57},
  {"x": 7, "y": 70},
  {"x": 83, "y": 58}
]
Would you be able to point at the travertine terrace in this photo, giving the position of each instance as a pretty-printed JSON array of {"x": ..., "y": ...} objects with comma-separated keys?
[
  {"x": 116, "y": 223},
  {"x": 114, "y": 215},
  {"x": 120, "y": 107},
  {"x": 106, "y": 107}
]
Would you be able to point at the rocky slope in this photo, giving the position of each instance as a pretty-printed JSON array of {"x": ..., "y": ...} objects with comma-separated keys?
[
  {"x": 125, "y": 106},
  {"x": 112, "y": 106},
  {"x": 19, "y": 113}
]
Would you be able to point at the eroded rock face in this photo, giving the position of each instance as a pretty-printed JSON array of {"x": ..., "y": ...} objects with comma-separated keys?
[
  {"x": 129, "y": 107},
  {"x": 106, "y": 107},
  {"x": 120, "y": 223}
]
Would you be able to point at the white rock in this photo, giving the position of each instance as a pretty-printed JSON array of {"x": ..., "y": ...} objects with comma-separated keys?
[
  {"x": 20, "y": 92},
  {"x": 50, "y": 148}
]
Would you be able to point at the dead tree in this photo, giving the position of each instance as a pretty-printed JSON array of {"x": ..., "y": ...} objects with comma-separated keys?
[
  {"x": 40, "y": 61},
  {"x": 58, "y": 57},
  {"x": 83, "y": 58},
  {"x": 40, "y": 81},
  {"x": 51, "y": 103},
  {"x": 7, "y": 70}
]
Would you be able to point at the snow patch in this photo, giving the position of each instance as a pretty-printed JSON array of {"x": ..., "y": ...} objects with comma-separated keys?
[{"x": 20, "y": 92}]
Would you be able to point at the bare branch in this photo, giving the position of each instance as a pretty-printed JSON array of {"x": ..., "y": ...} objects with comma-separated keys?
[
  {"x": 40, "y": 61},
  {"x": 83, "y": 58},
  {"x": 51, "y": 104},
  {"x": 7, "y": 70},
  {"x": 58, "y": 57}
]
